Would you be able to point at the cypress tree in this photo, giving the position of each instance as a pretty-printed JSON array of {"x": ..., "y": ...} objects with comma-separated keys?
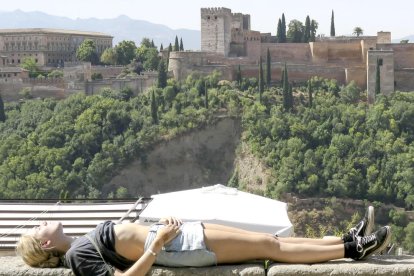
[
  {"x": 283, "y": 29},
  {"x": 332, "y": 24},
  {"x": 238, "y": 76},
  {"x": 170, "y": 49},
  {"x": 154, "y": 108},
  {"x": 268, "y": 68},
  {"x": 261, "y": 80},
  {"x": 310, "y": 93},
  {"x": 282, "y": 79},
  {"x": 161, "y": 48},
  {"x": 205, "y": 95},
  {"x": 176, "y": 45},
  {"x": 312, "y": 31},
  {"x": 290, "y": 94},
  {"x": 162, "y": 75},
  {"x": 378, "y": 78},
  {"x": 152, "y": 43},
  {"x": 2, "y": 112},
  {"x": 181, "y": 44},
  {"x": 279, "y": 31},
  {"x": 286, "y": 89},
  {"x": 307, "y": 32}
]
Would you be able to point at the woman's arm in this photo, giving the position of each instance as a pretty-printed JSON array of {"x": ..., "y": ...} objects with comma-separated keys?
[{"x": 143, "y": 265}]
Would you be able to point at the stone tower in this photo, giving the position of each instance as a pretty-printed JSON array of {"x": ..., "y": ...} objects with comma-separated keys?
[
  {"x": 386, "y": 62},
  {"x": 216, "y": 24}
]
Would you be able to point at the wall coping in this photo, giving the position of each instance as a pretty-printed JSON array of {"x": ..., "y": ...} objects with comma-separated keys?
[{"x": 377, "y": 265}]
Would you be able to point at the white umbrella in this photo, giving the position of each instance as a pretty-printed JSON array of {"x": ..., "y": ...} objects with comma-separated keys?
[{"x": 221, "y": 205}]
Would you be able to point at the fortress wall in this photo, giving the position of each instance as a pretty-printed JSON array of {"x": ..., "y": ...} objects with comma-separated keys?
[
  {"x": 107, "y": 71},
  {"x": 404, "y": 80},
  {"x": 358, "y": 75},
  {"x": 287, "y": 52},
  {"x": 345, "y": 52},
  {"x": 298, "y": 72},
  {"x": 403, "y": 54}
]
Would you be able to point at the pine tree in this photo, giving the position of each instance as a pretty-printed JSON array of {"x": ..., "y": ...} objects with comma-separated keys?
[
  {"x": 378, "y": 78},
  {"x": 261, "y": 80},
  {"x": 2, "y": 112},
  {"x": 283, "y": 34},
  {"x": 268, "y": 69},
  {"x": 161, "y": 48},
  {"x": 310, "y": 93},
  {"x": 279, "y": 31},
  {"x": 176, "y": 45},
  {"x": 307, "y": 32},
  {"x": 332, "y": 24},
  {"x": 181, "y": 44},
  {"x": 239, "y": 76},
  {"x": 154, "y": 108},
  {"x": 162, "y": 75}
]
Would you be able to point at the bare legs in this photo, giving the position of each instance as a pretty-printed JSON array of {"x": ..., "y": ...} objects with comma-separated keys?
[{"x": 232, "y": 245}]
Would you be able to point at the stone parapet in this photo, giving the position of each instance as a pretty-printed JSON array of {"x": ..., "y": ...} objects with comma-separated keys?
[{"x": 378, "y": 265}]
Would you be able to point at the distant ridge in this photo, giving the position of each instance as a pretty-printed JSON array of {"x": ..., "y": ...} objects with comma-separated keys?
[{"x": 121, "y": 27}]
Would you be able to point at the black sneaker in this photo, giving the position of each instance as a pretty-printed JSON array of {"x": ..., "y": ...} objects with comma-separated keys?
[
  {"x": 374, "y": 243},
  {"x": 363, "y": 228}
]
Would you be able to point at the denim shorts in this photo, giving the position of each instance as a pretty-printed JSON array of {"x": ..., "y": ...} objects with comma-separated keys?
[{"x": 187, "y": 249}]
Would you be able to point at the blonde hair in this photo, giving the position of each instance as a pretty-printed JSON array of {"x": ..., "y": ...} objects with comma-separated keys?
[{"x": 34, "y": 255}]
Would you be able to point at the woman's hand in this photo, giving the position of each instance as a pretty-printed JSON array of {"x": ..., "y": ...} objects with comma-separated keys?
[
  {"x": 171, "y": 220},
  {"x": 170, "y": 230}
]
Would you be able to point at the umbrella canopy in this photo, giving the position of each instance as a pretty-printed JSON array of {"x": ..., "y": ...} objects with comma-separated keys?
[{"x": 221, "y": 205}]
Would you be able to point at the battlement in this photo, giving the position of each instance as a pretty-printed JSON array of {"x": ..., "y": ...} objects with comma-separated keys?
[{"x": 216, "y": 11}]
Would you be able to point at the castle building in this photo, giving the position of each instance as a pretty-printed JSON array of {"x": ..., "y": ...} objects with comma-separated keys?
[
  {"x": 49, "y": 47},
  {"x": 227, "y": 42}
]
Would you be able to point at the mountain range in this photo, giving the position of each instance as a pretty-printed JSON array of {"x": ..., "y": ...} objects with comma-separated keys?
[{"x": 121, "y": 27}]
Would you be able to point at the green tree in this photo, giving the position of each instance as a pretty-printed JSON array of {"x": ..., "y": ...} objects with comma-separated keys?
[
  {"x": 205, "y": 95},
  {"x": 307, "y": 30},
  {"x": 55, "y": 74},
  {"x": 358, "y": 31},
  {"x": 109, "y": 56},
  {"x": 176, "y": 44},
  {"x": 378, "y": 77},
  {"x": 286, "y": 89},
  {"x": 126, "y": 52},
  {"x": 261, "y": 80},
  {"x": 283, "y": 34},
  {"x": 279, "y": 31},
  {"x": 162, "y": 74},
  {"x": 154, "y": 108},
  {"x": 87, "y": 52},
  {"x": 181, "y": 44},
  {"x": 239, "y": 76},
  {"x": 30, "y": 65},
  {"x": 146, "y": 42},
  {"x": 152, "y": 44},
  {"x": 313, "y": 28},
  {"x": 332, "y": 24},
  {"x": 268, "y": 68},
  {"x": 2, "y": 112},
  {"x": 295, "y": 31},
  {"x": 409, "y": 237},
  {"x": 161, "y": 48},
  {"x": 170, "y": 48},
  {"x": 310, "y": 94}
]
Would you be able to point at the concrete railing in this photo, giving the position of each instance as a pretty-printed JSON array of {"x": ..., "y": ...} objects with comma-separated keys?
[{"x": 377, "y": 265}]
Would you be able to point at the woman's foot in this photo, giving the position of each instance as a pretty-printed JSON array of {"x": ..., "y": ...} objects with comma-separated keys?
[{"x": 371, "y": 244}]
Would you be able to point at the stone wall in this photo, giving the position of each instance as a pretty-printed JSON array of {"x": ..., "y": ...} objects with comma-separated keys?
[
  {"x": 377, "y": 265},
  {"x": 288, "y": 52},
  {"x": 404, "y": 80},
  {"x": 107, "y": 71}
]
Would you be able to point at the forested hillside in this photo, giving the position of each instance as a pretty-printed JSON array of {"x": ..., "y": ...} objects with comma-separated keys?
[{"x": 324, "y": 143}]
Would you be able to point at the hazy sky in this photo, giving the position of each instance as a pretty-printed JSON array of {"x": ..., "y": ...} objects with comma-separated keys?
[{"x": 370, "y": 15}]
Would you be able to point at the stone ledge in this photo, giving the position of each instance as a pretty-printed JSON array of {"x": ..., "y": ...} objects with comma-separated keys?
[{"x": 379, "y": 265}]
